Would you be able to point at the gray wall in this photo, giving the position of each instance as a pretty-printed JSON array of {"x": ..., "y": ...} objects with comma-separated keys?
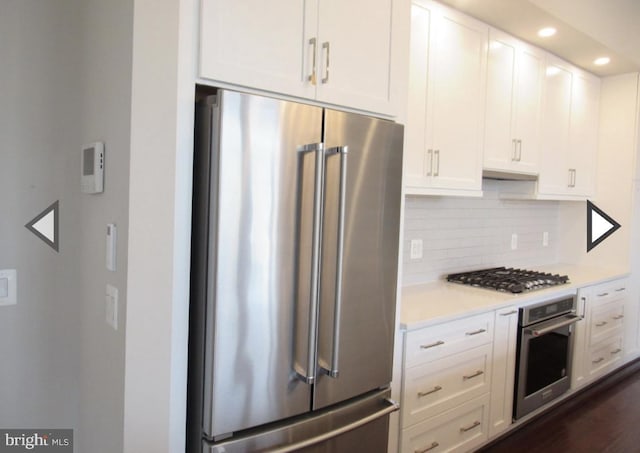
[
  {"x": 38, "y": 165},
  {"x": 65, "y": 80},
  {"x": 107, "y": 36}
]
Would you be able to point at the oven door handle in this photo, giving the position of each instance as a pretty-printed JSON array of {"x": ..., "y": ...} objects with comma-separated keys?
[{"x": 570, "y": 319}]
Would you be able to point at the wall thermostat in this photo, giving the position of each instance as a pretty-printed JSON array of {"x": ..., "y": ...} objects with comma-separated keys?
[{"x": 93, "y": 168}]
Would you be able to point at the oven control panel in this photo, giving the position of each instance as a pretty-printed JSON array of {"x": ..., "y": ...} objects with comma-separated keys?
[{"x": 546, "y": 310}]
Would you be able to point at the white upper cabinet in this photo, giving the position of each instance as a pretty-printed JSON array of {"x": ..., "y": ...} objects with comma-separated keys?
[
  {"x": 569, "y": 133},
  {"x": 443, "y": 135},
  {"x": 515, "y": 76},
  {"x": 583, "y": 132},
  {"x": 327, "y": 50}
]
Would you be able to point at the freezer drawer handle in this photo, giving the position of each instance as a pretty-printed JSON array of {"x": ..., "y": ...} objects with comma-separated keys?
[
  {"x": 475, "y": 332},
  {"x": 432, "y": 345},
  {"x": 471, "y": 376},
  {"x": 392, "y": 407},
  {"x": 431, "y": 447},
  {"x": 469, "y": 428},
  {"x": 437, "y": 388}
]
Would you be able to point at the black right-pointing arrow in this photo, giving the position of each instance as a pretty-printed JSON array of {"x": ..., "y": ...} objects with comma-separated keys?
[{"x": 599, "y": 226}]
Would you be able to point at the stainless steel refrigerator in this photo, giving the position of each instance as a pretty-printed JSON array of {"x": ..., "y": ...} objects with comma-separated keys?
[{"x": 295, "y": 250}]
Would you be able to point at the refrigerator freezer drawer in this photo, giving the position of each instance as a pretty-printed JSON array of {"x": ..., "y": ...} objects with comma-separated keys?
[{"x": 361, "y": 424}]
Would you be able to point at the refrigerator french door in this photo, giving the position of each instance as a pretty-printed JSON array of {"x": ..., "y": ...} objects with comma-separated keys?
[{"x": 295, "y": 251}]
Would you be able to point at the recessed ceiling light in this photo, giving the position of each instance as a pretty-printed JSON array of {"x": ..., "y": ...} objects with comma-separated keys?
[
  {"x": 601, "y": 61},
  {"x": 546, "y": 32}
]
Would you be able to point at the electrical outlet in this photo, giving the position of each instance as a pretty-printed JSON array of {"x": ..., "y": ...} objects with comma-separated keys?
[
  {"x": 545, "y": 239},
  {"x": 111, "y": 306},
  {"x": 514, "y": 241},
  {"x": 416, "y": 249}
]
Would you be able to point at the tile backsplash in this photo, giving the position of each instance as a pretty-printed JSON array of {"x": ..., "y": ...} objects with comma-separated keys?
[{"x": 460, "y": 234}]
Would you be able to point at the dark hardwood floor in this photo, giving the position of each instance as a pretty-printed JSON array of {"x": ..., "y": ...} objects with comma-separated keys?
[{"x": 603, "y": 418}]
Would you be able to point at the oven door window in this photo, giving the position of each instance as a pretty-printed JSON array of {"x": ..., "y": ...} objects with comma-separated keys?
[{"x": 547, "y": 360}]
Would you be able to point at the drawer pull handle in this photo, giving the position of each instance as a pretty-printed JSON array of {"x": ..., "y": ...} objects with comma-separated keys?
[
  {"x": 475, "y": 332},
  {"x": 603, "y": 294},
  {"x": 620, "y": 289},
  {"x": 433, "y": 445},
  {"x": 618, "y": 317},
  {"x": 598, "y": 360},
  {"x": 509, "y": 313},
  {"x": 469, "y": 428},
  {"x": 476, "y": 374},
  {"x": 432, "y": 345},
  {"x": 616, "y": 351},
  {"x": 437, "y": 388},
  {"x": 600, "y": 324}
]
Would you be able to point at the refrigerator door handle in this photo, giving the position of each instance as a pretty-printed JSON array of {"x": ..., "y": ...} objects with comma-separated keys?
[
  {"x": 392, "y": 407},
  {"x": 308, "y": 375},
  {"x": 332, "y": 369}
]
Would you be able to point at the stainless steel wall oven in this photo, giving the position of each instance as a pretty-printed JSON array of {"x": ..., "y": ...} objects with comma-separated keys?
[{"x": 545, "y": 349}]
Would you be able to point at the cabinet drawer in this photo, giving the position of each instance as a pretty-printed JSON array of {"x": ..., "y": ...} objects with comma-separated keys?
[
  {"x": 458, "y": 430},
  {"x": 435, "y": 387},
  {"x": 609, "y": 291},
  {"x": 432, "y": 343},
  {"x": 606, "y": 320},
  {"x": 603, "y": 355}
]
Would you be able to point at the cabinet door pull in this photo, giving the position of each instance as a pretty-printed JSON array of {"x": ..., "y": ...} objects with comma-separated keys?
[
  {"x": 616, "y": 351},
  {"x": 600, "y": 324},
  {"x": 432, "y": 345},
  {"x": 598, "y": 360},
  {"x": 312, "y": 77},
  {"x": 509, "y": 313},
  {"x": 514, "y": 156},
  {"x": 429, "y": 448},
  {"x": 326, "y": 45},
  {"x": 437, "y": 388},
  {"x": 430, "y": 159},
  {"x": 620, "y": 289},
  {"x": 469, "y": 428},
  {"x": 603, "y": 294},
  {"x": 471, "y": 376},
  {"x": 618, "y": 317},
  {"x": 475, "y": 332},
  {"x": 436, "y": 153},
  {"x": 519, "y": 150}
]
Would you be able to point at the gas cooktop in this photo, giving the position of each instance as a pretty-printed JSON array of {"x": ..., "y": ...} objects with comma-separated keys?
[{"x": 508, "y": 279}]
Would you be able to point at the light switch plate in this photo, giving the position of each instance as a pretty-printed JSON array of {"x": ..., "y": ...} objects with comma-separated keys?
[
  {"x": 8, "y": 287},
  {"x": 111, "y": 306}
]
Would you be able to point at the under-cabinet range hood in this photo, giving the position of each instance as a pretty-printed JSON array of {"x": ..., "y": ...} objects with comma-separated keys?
[{"x": 502, "y": 175}]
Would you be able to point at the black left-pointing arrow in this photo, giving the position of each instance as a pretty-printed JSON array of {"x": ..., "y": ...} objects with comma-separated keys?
[{"x": 45, "y": 226}]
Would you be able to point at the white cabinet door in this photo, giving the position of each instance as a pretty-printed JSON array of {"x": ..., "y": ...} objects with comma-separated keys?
[
  {"x": 554, "y": 171},
  {"x": 515, "y": 73},
  {"x": 583, "y": 141},
  {"x": 354, "y": 40},
  {"x": 447, "y": 84},
  {"x": 259, "y": 44},
  {"x": 504, "y": 365}
]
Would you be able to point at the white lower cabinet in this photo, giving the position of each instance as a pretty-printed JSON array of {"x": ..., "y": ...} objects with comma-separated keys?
[
  {"x": 446, "y": 385},
  {"x": 457, "y": 430},
  {"x": 504, "y": 367},
  {"x": 599, "y": 337}
]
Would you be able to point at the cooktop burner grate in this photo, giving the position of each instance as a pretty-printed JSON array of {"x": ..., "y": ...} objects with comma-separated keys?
[{"x": 508, "y": 279}]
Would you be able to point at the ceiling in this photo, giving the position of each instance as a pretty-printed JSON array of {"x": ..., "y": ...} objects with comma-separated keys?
[{"x": 587, "y": 29}]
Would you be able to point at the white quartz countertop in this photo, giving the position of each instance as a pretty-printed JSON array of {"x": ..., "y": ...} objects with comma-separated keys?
[{"x": 432, "y": 303}]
